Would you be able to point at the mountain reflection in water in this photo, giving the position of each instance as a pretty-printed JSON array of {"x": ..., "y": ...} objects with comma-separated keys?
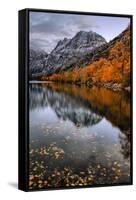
[
  {"x": 64, "y": 105},
  {"x": 78, "y": 136}
]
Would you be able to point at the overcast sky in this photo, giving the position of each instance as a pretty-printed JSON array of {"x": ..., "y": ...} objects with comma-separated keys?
[{"x": 46, "y": 29}]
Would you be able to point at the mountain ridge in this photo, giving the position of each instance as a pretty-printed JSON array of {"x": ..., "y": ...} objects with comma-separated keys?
[{"x": 67, "y": 52}]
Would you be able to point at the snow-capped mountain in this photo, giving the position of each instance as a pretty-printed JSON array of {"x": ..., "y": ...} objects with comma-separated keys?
[{"x": 66, "y": 54}]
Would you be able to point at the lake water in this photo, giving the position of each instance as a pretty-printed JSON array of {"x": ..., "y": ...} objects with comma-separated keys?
[{"x": 78, "y": 136}]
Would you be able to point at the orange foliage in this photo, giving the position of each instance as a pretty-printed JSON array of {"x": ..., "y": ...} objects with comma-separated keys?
[{"x": 115, "y": 68}]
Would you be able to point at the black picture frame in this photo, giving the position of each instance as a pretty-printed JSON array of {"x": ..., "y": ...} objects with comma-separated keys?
[{"x": 23, "y": 80}]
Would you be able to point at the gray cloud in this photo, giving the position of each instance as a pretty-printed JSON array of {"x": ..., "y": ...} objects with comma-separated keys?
[{"x": 46, "y": 29}]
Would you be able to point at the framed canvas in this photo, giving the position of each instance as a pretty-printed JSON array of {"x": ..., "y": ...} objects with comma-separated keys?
[{"x": 75, "y": 99}]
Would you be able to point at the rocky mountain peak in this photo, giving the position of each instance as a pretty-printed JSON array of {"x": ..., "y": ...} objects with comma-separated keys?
[
  {"x": 68, "y": 51},
  {"x": 83, "y": 40}
]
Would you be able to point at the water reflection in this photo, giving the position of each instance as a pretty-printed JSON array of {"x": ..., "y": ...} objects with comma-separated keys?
[
  {"x": 64, "y": 105},
  {"x": 78, "y": 136}
]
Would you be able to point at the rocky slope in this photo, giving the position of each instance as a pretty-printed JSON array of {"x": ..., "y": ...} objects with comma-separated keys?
[{"x": 37, "y": 61}]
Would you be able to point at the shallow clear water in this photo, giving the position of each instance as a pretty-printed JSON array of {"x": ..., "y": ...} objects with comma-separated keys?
[{"x": 78, "y": 136}]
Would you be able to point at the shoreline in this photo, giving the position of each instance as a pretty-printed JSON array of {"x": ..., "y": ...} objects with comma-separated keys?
[{"x": 116, "y": 87}]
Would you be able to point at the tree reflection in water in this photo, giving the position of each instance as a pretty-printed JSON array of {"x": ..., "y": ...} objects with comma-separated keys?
[{"x": 78, "y": 136}]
